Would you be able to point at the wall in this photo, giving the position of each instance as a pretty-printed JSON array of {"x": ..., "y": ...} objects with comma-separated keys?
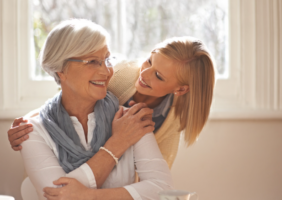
[
  {"x": 11, "y": 165},
  {"x": 232, "y": 159}
]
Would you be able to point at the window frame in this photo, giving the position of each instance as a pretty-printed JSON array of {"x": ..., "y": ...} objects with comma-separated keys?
[
  {"x": 254, "y": 87},
  {"x": 238, "y": 97}
]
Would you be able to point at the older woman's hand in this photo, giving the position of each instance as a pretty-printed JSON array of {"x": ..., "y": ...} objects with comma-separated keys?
[
  {"x": 18, "y": 133},
  {"x": 131, "y": 126},
  {"x": 72, "y": 190},
  {"x": 132, "y": 103}
]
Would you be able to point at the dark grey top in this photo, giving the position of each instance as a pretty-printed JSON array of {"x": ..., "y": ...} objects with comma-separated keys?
[{"x": 160, "y": 112}]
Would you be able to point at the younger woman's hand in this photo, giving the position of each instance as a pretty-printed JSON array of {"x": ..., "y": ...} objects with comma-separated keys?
[
  {"x": 71, "y": 190},
  {"x": 18, "y": 133}
]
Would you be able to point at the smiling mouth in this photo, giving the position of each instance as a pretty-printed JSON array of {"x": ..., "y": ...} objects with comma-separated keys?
[
  {"x": 100, "y": 83},
  {"x": 142, "y": 83}
]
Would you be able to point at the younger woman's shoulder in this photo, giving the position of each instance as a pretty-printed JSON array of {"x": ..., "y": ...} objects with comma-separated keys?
[
  {"x": 122, "y": 83},
  {"x": 127, "y": 65},
  {"x": 125, "y": 71}
]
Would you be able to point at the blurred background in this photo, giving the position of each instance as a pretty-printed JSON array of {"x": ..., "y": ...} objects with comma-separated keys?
[
  {"x": 238, "y": 154},
  {"x": 136, "y": 26}
]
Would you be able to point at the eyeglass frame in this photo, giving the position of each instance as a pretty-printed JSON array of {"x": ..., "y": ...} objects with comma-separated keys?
[{"x": 88, "y": 61}]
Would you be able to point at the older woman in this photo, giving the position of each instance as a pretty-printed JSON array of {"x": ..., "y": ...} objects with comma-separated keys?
[{"x": 69, "y": 139}]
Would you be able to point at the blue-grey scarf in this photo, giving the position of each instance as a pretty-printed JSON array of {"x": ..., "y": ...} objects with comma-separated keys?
[{"x": 58, "y": 123}]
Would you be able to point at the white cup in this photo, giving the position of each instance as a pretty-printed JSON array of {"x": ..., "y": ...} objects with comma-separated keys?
[
  {"x": 177, "y": 195},
  {"x": 5, "y": 197}
]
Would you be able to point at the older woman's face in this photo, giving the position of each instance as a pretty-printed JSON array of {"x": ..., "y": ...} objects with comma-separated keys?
[
  {"x": 158, "y": 76},
  {"x": 85, "y": 80}
]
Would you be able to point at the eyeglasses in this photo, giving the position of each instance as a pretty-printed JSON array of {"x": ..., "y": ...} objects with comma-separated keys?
[{"x": 109, "y": 62}]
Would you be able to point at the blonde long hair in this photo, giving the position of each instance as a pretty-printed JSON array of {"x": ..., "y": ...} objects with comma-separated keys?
[{"x": 196, "y": 69}]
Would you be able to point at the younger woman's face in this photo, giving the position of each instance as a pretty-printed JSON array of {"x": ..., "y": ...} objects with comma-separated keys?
[{"x": 158, "y": 76}]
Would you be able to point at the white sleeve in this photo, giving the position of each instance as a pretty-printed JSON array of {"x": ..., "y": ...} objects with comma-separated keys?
[
  {"x": 43, "y": 167},
  {"x": 152, "y": 170}
]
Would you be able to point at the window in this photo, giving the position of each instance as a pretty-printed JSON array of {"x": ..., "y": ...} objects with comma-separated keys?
[
  {"x": 253, "y": 88},
  {"x": 136, "y": 26}
]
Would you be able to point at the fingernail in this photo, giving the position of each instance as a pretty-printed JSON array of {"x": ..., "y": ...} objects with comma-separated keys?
[
  {"x": 26, "y": 137},
  {"x": 30, "y": 129}
]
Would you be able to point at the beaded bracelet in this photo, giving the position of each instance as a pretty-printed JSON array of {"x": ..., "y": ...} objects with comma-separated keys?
[{"x": 109, "y": 152}]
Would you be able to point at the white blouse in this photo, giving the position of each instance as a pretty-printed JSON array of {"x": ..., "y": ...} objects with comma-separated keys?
[{"x": 40, "y": 157}]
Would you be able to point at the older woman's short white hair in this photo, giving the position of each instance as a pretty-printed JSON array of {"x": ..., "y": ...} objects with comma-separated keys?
[{"x": 71, "y": 38}]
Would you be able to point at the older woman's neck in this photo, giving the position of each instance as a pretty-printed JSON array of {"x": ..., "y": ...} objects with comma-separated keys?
[
  {"x": 151, "y": 101},
  {"x": 77, "y": 107}
]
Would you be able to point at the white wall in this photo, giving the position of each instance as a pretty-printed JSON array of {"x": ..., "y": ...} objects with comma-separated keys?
[
  {"x": 232, "y": 160},
  {"x": 11, "y": 165}
]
